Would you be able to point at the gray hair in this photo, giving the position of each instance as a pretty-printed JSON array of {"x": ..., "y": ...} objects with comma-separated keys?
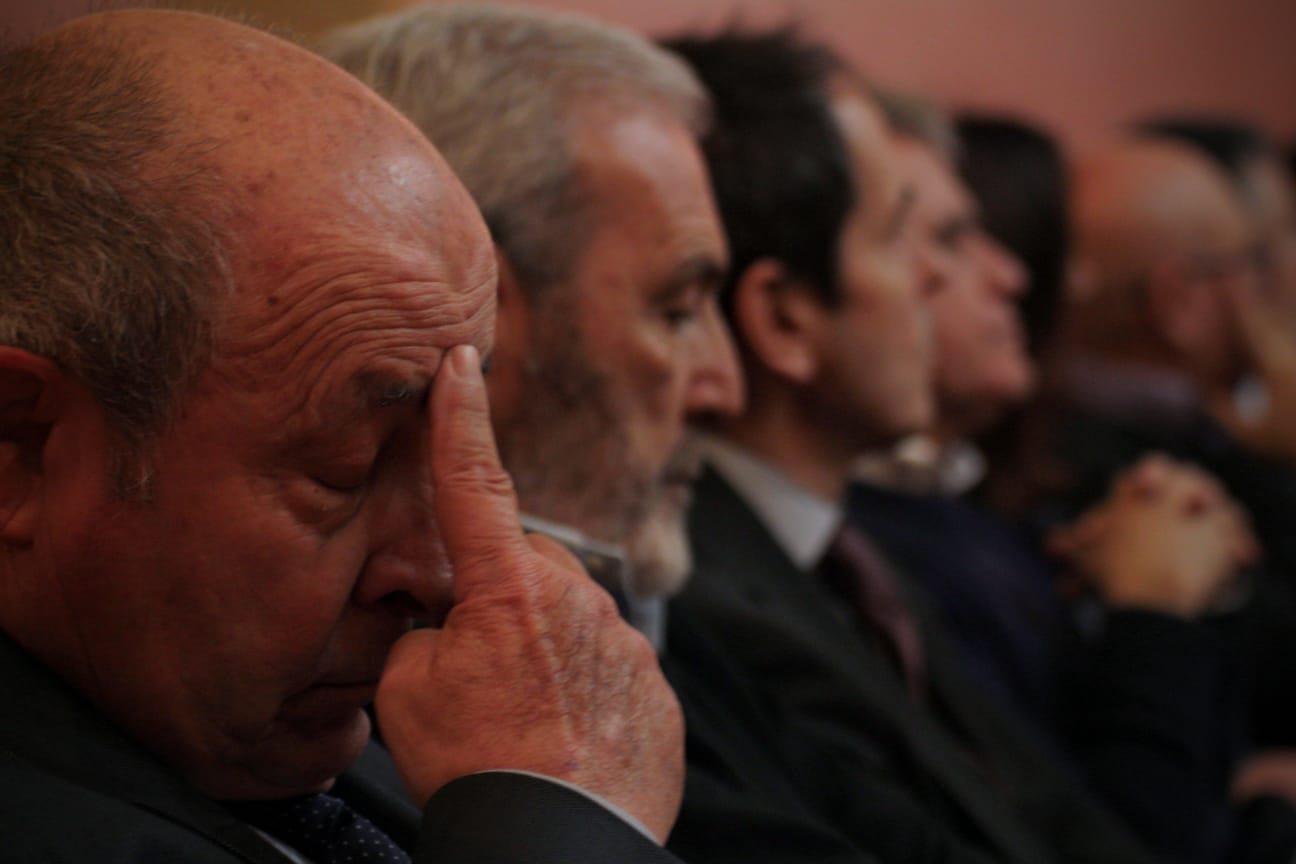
[
  {"x": 916, "y": 117},
  {"x": 499, "y": 91},
  {"x": 106, "y": 268}
]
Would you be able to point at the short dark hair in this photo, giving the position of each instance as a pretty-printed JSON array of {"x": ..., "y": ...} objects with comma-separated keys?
[
  {"x": 778, "y": 163},
  {"x": 1018, "y": 175},
  {"x": 108, "y": 263}
]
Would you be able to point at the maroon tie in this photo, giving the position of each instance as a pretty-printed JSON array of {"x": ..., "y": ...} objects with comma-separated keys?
[{"x": 854, "y": 566}]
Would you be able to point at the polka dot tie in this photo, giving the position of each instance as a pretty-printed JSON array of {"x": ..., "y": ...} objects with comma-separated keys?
[{"x": 324, "y": 829}]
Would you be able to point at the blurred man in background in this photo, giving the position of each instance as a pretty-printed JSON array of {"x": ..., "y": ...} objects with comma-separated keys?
[
  {"x": 1142, "y": 702},
  {"x": 890, "y": 744}
]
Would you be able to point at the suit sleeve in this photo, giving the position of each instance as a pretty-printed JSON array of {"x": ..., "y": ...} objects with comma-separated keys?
[
  {"x": 1150, "y": 724},
  {"x": 506, "y": 818}
]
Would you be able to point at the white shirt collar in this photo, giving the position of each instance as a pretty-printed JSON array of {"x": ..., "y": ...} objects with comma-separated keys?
[
  {"x": 802, "y": 523},
  {"x": 917, "y": 465}
]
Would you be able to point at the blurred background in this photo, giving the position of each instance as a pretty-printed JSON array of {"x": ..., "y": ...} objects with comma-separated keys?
[{"x": 1080, "y": 67}]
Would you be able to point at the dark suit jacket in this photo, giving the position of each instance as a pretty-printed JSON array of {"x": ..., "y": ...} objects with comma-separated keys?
[
  {"x": 1095, "y": 446},
  {"x": 991, "y": 585},
  {"x": 741, "y": 805},
  {"x": 74, "y": 788},
  {"x": 956, "y": 780},
  {"x": 1138, "y": 701}
]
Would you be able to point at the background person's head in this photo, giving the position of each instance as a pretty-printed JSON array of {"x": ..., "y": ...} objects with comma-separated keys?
[
  {"x": 972, "y": 283},
  {"x": 1265, "y": 183},
  {"x": 578, "y": 142},
  {"x": 1161, "y": 237},
  {"x": 114, "y": 248},
  {"x": 820, "y": 294},
  {"x": 1018, "y": 175},
  {"x": 263, "y": 279}
]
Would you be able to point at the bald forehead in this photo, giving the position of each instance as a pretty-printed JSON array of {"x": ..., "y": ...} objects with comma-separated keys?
[
  {"x": 1151, "y": 175},
  {"x": 269, "y": 115},
  {"x": 329, "y": 194},
  {"x": 1154, "y": 192},
  {"x": 300, "y": 146}
]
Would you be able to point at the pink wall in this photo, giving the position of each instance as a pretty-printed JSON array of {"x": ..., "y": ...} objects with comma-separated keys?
[{"x": 1081, "y": 66}]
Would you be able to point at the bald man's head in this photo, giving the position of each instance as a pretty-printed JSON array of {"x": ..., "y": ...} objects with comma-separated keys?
[
  {"x": 216, "y": 241},
  {"x": 1161, "y": 234},
  {"x": 154, "y": 162},
  {"x": 1143, "y": 201}
]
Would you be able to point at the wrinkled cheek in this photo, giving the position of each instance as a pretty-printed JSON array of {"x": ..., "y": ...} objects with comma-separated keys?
[{"x": 269, "y": 608}]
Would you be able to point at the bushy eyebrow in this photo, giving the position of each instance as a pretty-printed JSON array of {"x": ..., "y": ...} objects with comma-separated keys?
[{"x": 702, "y": 270}]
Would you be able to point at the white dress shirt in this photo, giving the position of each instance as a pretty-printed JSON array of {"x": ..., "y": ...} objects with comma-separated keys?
[{"x": 801, "y": 522}]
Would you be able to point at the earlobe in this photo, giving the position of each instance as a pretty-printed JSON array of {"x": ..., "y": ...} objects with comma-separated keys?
[
  {"x": 777, "y": 321},
  {"x": 29, "y": 405}
]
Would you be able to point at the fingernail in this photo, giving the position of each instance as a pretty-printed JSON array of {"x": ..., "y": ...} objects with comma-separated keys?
[{"x": 464, "y": 360}]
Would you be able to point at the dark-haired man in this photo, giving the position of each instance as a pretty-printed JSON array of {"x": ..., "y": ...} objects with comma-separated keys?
[{"x": 887, "y": 740}]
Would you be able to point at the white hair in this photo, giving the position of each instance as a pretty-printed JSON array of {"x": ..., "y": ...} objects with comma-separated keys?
[{"x": 499, "y": 90}]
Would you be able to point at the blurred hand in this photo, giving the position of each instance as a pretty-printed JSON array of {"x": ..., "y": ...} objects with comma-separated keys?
[
  {"x": 1167, "y": 538},
  {"x": 533, "y": 669},
  {"x": 1268, "y": 773},
  {"x": 1269, "y": 340}
]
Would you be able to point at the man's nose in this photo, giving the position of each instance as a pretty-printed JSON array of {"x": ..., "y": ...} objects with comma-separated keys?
[
  {"x": 407, "y": 571},
  {"x": 1007, "y": 274},
  {"x": 716, "y": 382}
]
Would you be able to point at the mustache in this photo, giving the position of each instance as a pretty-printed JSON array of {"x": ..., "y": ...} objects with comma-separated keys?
[{"x": 684, "y": 464}]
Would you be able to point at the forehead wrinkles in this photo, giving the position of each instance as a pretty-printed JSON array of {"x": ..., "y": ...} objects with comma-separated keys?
[{"x": 341, "y": 324}]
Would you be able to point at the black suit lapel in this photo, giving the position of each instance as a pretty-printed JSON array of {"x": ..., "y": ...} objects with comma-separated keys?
[
  {"x": 738, "y": 554},
  {"x": 54, "y": 728}
]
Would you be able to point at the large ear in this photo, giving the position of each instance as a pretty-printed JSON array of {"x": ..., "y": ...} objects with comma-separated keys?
[
  {"x": 778, "y": 320},
  {"x": 30, "y": 401},
  {"x": 505, "y": 382}
]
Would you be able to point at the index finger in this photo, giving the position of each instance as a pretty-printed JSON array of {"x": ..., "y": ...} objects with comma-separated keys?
[{"x": 476, "y": 505}]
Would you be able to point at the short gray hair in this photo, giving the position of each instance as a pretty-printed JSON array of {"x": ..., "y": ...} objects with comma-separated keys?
[
  {"x": 106, "y": 266},
  {"x": 917, "y": 117},
  {"x": 499, "y": 90}
]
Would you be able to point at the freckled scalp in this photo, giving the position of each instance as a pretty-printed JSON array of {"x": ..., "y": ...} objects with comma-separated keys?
[
  {"x": 281, "y": 121},
  {"x": 344, "y": 234}
]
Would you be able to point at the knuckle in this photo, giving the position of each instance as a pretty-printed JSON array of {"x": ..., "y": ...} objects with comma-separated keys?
[
  {"x": 478, "y": 468},
  {"x": 672, "y": 714},
  {"x": 603, "y": 606},
  {"x": 641, "y": 651},
  {"x": 489, "y": 562},
  {"x": 554, "y": 551}
]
